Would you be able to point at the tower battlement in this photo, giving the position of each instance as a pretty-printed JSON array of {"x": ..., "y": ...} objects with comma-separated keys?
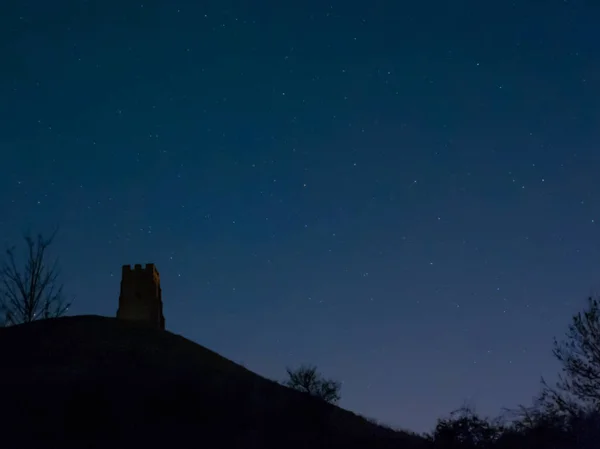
[
  {"x": 150, "y": 268},
  {"x": 141, "y": 296}
]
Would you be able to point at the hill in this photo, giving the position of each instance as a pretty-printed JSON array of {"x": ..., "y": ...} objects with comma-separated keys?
[{"x": 68, "y": 382}]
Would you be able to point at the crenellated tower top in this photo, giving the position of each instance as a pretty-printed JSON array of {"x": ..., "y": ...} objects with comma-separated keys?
[{"x": 141, "y": 295}]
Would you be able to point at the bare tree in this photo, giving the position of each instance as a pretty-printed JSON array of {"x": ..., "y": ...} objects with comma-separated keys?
[
  {"x": 31, "y": 292},
  {"x": 578, "y": 387},
  {"x": 308, "y": 380}
]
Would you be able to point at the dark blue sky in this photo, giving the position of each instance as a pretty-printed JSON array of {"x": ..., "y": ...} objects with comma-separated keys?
[{"x": 405, "y": 194}]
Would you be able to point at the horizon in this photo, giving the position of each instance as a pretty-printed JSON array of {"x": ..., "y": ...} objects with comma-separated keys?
[{"x": 405, "y": 195}]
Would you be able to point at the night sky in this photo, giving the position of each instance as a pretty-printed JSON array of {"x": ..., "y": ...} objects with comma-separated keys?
[{"x": 405, "y": 194}]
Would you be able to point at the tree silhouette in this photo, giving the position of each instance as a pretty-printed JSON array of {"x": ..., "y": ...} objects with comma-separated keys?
[
  {"x": 31, "y": 292},
  {"x": 465, "y": 429},
  {"x": 308, "y": 380},
  {"x": 578, "y": 387},
  {"x": 567, "y": 414},
  {"x": 563, "y": 416}
]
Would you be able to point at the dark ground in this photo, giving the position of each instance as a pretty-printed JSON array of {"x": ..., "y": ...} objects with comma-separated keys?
[{"x": 91, "y": 381}]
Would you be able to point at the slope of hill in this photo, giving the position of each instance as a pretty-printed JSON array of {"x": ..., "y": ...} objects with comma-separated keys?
[{"x": 71, "y": 381}]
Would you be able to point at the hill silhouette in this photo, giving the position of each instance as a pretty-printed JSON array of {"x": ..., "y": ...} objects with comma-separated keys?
[{"x": 68, "y": 382}]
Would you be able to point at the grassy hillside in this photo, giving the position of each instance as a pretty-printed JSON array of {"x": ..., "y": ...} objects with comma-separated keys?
[{"x": 82, "y": 379}]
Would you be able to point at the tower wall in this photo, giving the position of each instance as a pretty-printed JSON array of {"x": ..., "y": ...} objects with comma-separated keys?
[{"x": 141, "y": 296}]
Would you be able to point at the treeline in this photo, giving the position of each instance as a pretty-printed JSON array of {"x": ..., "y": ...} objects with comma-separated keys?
[{"x": 564, "y": 415}]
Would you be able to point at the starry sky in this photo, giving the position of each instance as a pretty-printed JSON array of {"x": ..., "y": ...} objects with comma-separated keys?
[{"x": 405, "y": 194}]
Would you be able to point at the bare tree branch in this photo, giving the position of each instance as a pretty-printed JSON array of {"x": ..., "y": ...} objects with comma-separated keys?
[
  {"x": 31, "y": 292},
  {"x": 578, "y": 387}
]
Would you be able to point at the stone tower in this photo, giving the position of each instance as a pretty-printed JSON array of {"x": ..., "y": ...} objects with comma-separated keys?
[{"x": 141, "y": 296}]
